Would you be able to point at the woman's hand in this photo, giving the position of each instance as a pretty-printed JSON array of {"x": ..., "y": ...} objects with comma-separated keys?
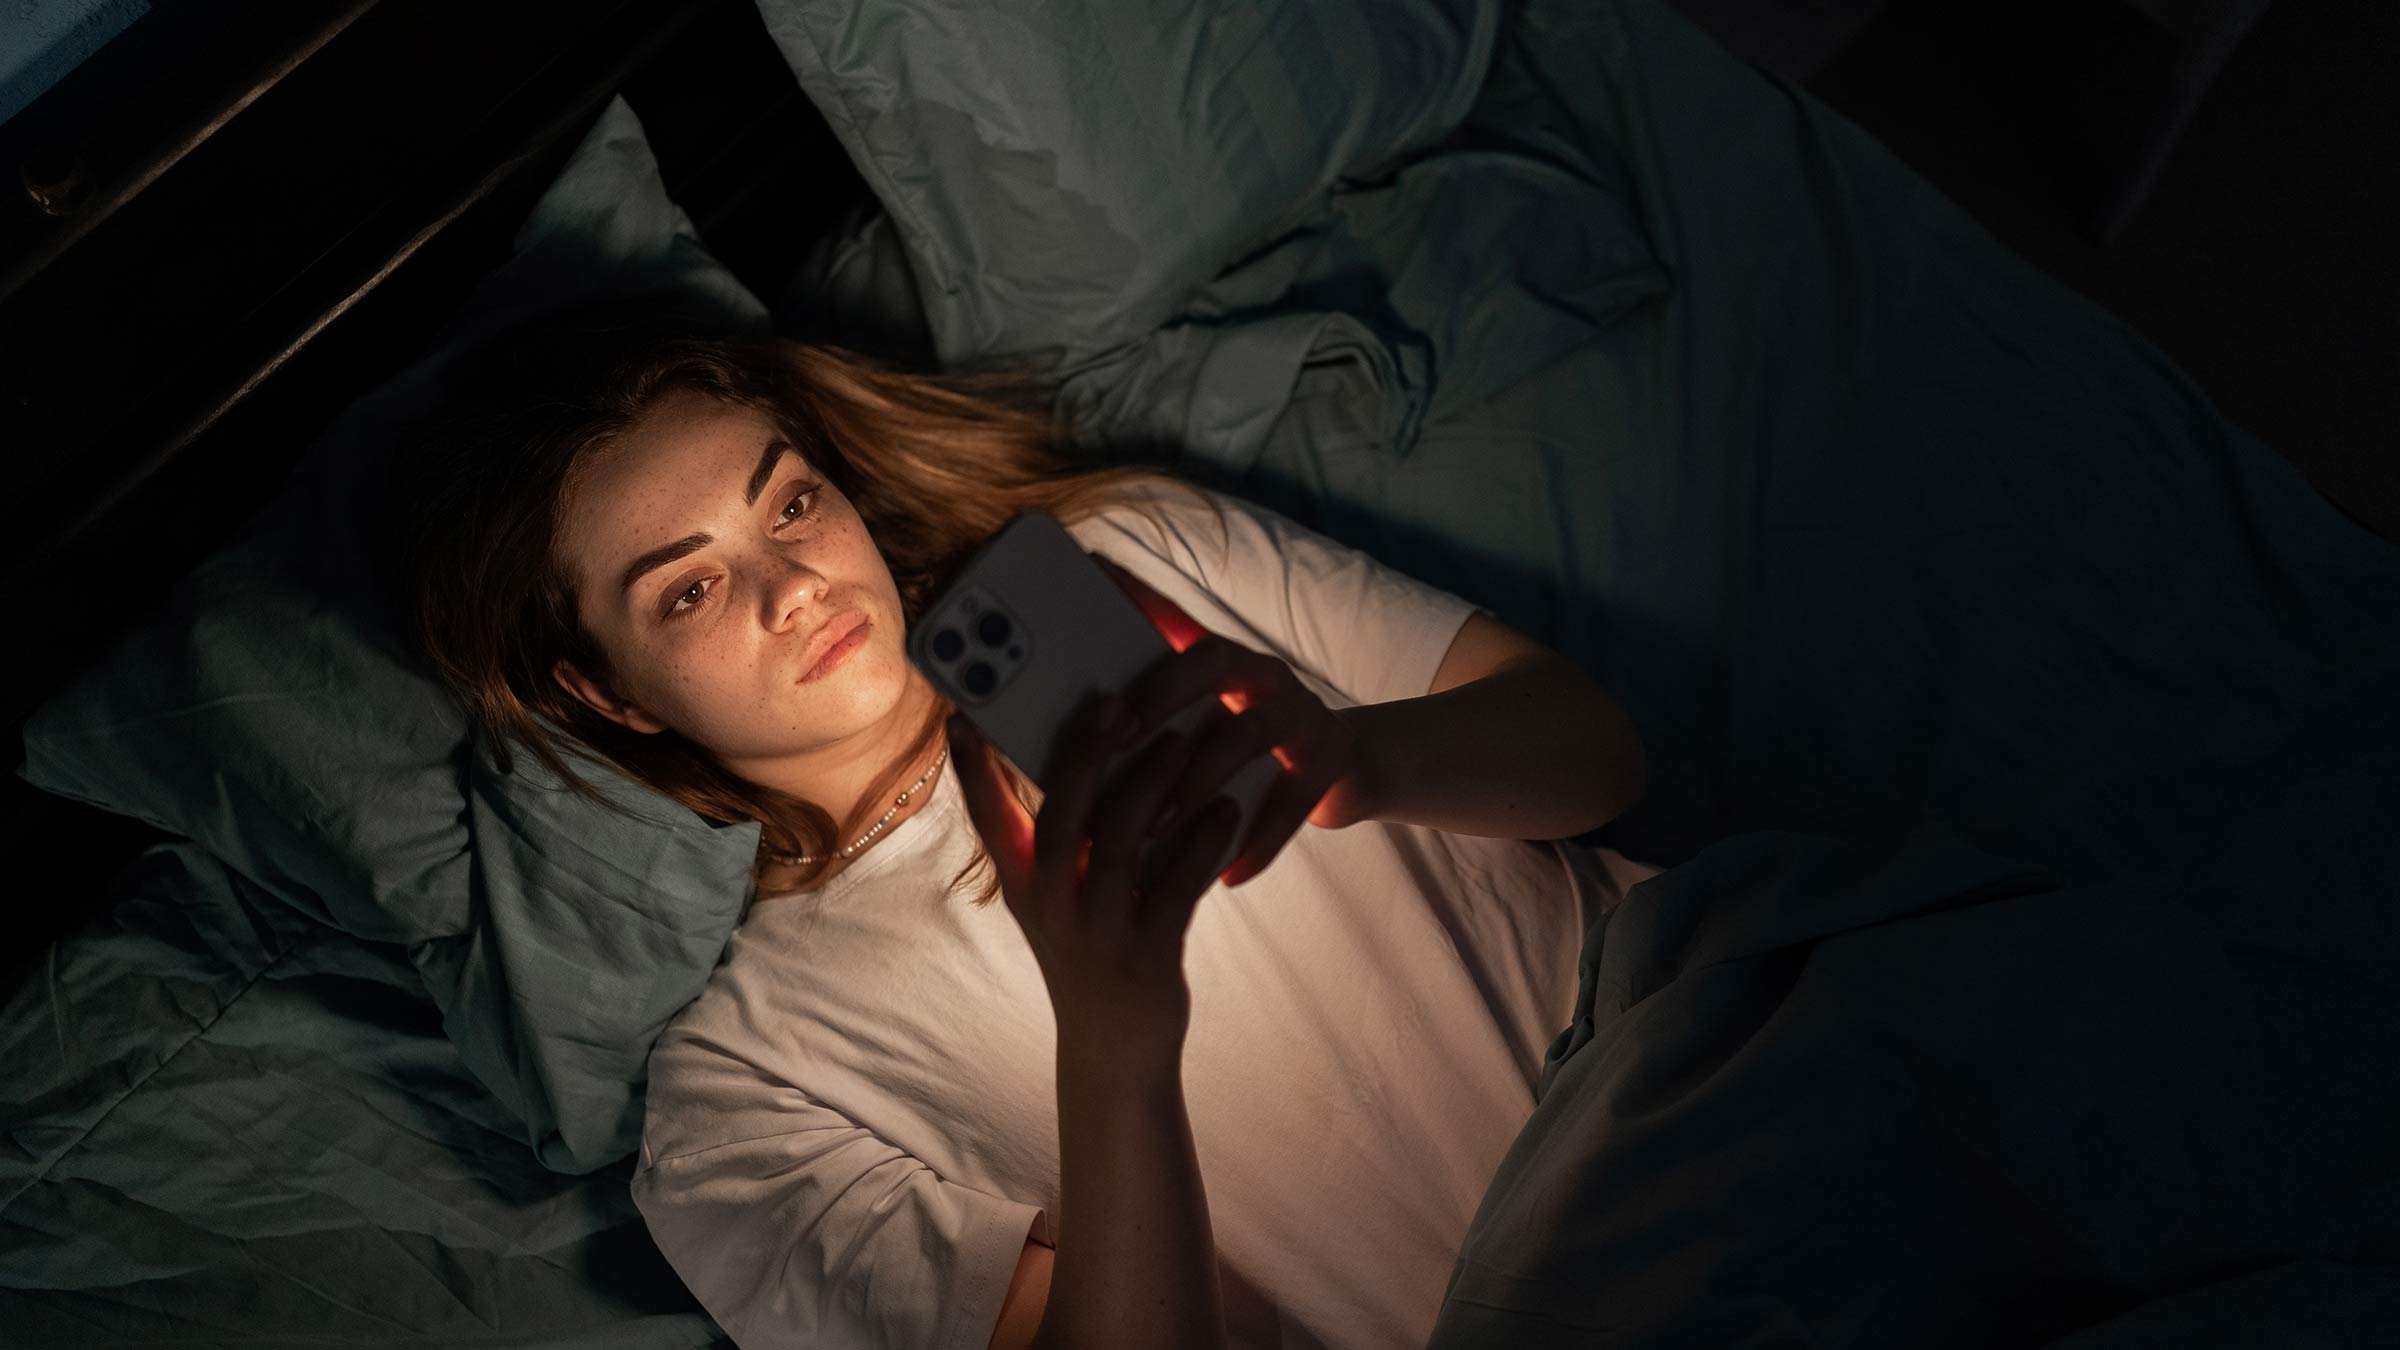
[
  {"x": 1136, "y": 1261},
  {"x": 1112, "y": 958},
  {"x": 1264, "y": 708}
]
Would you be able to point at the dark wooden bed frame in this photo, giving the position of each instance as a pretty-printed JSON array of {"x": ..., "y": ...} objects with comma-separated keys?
[{"x": 232, "y": 220}]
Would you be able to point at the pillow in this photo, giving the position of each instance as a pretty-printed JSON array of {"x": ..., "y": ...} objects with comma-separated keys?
[
  {"x": 1375, "y": 297},
  {"x": 272, "y": 711},
  {"x": 1063, "y": 173},
  {"x": 853, "y": 288}
]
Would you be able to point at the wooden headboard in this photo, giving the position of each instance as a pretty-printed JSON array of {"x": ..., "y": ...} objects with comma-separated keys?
[{"x": 232, "y": 220}]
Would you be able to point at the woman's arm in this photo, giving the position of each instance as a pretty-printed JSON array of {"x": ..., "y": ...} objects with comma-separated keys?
[
  {"x": 1141, "y": 1265},
  {"x": 1136, "y": 1261},
  {"x": 1028, "y": 1296},
  {"x": 1514, "y": 741}
]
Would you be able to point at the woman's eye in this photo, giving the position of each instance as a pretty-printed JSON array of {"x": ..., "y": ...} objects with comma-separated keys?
[
  {"x": 810, "y": 493},
  {"x": 678, "y": 608}
]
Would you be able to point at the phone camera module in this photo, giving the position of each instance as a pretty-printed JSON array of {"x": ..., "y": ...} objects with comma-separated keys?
[{"x": 974, "y": 646}]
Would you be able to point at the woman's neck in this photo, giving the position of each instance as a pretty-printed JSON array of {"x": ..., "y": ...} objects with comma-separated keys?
[{"x": 918, "y": 782}]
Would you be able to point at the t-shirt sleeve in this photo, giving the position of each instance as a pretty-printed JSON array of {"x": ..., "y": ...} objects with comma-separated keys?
[
  {"x": 798, "y": 1227},
  {"x": 1371, "y": 631}
]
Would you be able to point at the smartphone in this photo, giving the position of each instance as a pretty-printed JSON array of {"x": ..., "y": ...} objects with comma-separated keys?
[{"x": 1027, "y": 634}]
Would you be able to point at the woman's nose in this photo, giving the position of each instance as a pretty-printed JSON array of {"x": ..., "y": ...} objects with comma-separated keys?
[{"x": 798, "y": 593}]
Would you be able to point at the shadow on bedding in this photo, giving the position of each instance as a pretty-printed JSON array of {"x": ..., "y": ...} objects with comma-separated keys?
[{"x": 1820, "y": 1093}]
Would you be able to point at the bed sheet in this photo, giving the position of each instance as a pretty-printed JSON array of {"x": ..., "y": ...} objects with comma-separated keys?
[
  {"x": 1881, "y": 535},
  {"x": 1869, "y": 522},
  {"x": 228, "y": 1125},
  {"x": 1816, "y": 1092},
  {"x": 2028, "y": 737}
]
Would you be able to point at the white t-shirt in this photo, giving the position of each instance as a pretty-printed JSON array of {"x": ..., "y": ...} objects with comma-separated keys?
[{"x": 853, "y": 1129}]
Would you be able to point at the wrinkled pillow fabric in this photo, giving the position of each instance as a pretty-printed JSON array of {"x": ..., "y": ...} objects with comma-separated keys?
[
  {"x": 854, "y": 289},
  {"x": 1398, "y": 304},
  {"x": 1064, "y": 173},
  {"x": 272, "y": 712},
  {"x": 1450, "y": 238}
]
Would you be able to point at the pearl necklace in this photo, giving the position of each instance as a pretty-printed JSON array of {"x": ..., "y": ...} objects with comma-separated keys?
[{"x": 897, "y": 803}]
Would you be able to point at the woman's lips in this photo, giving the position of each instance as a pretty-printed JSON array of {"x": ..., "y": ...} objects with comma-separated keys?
[{"x": 839, "y": 653}]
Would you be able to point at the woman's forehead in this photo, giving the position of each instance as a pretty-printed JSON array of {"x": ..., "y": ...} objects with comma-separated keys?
[
  {"x": 683, "y": 459},
  {"x": 685, "y": 424}
]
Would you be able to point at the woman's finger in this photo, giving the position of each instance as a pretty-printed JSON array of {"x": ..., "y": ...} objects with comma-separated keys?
[
  {"x": 1085, "y": 752},
  {"x": 1210, "y": 668},
  {"x": 999, "y": 817},
  {"x": 1228, "y": 742},
  {"x": 1191, "y": 866},
  {"x": 1280, "y": 816},
  {"x": 1123, "y": 824}
]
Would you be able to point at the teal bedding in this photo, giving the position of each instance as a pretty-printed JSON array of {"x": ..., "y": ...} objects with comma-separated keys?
[
  {"x": 1822, "y": 1093},
  {"x": 1869, "y": 522},
  {"x": 229, "y": 1125},
  {"x": 2028, "y": 737}
]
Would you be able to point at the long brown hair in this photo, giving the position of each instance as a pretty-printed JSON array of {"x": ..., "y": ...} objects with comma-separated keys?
[{"x": 934, "y": 463}]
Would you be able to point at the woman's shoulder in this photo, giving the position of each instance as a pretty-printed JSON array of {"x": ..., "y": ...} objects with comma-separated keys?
[
  {"x": 1156, "y": 497},
  {"x": 1189, "y": 526}
]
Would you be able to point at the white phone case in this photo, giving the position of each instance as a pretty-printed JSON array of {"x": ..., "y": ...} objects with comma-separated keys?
[{"x": 1027, "y": 633}]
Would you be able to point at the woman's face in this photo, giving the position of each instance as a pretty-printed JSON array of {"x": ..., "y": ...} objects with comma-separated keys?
[{"x": 710, "y": 559}]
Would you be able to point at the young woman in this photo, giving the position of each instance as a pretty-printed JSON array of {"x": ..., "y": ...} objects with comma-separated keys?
[{"x": 899, "y": 1115}]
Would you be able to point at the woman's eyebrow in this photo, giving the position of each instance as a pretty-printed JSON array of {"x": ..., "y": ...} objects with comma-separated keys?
[{"x": 659, "y": 557}]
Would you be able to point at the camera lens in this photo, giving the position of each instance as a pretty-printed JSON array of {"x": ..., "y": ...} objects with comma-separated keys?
[
  {"x": 980, "y": 678},
  {"x": 947, "y": 644},
  {"x": 992, "y": 628}
]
